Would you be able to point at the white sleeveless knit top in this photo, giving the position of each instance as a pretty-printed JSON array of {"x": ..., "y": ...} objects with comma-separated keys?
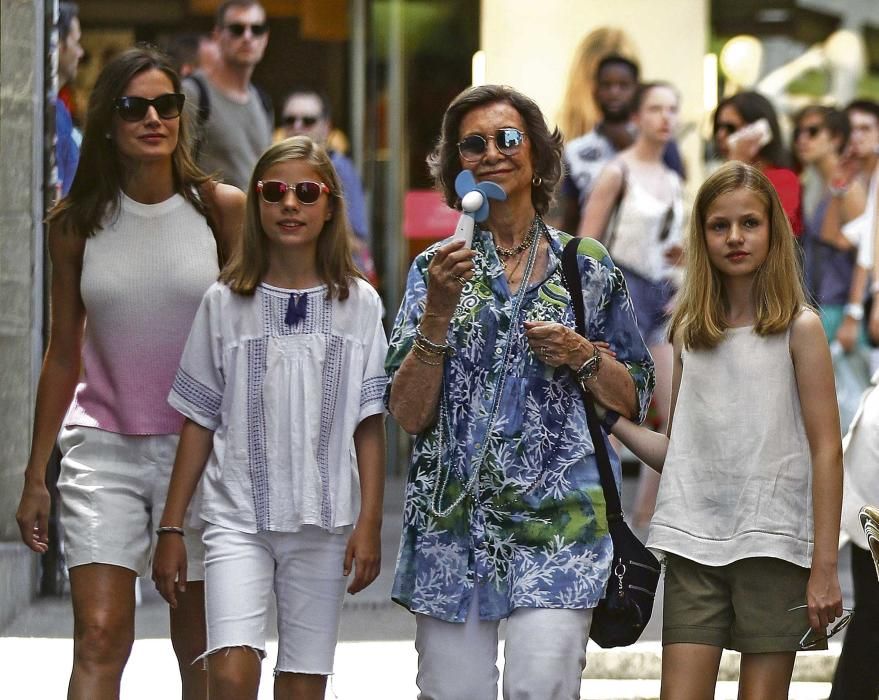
[
  {"x": 143, "y": 277},
  {"x": 737, "y": 480}
]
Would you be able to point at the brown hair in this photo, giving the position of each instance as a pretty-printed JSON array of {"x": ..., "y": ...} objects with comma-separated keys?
[
  {"x": 546, "y": 146},
  {"x": 97, "y": 185},
  {"x": 334, "y": 264},
  {"x": 699, "y": 318}
]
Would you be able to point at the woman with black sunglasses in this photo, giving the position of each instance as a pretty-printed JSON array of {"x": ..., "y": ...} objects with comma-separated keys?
[
  {"x": 134, "y": 246},
  {"x": 733, "y": 140},
  {"x": 504, "y": 515}
]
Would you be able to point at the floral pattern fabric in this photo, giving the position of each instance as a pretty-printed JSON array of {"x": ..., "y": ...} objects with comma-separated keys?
[{"x": 533, "y": 532}]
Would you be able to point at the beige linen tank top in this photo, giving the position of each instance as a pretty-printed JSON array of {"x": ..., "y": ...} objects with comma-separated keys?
[{"x": 737, "y": 480}]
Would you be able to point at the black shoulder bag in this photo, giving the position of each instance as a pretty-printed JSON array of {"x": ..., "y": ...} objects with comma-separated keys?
[{"x": 624, "y": 612}]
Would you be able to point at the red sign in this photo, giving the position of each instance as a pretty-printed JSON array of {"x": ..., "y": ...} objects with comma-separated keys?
[{"x": 426, "y": 216}]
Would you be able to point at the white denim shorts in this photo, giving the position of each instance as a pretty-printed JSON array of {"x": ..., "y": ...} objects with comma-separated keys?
[
  {"x": 113, "y": 489},
  {"x": 303, "y": 568}
]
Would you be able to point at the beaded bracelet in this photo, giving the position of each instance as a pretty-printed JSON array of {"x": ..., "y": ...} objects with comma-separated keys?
[
  {"x": 429, "y": 344},
  {"x": 169, "y": 530},
  {"x": 429, "y": 351}
]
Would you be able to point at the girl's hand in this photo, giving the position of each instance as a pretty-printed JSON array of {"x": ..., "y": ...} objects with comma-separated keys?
[
  {"x": 363, "y": 555},
  {"x": 33, "y": 516},
  {"x": 169, "y": 567},
  {"x": 448, "y": 272},
  {"x": 558, "y": 345},
  {"x": 823, "y": 597}
]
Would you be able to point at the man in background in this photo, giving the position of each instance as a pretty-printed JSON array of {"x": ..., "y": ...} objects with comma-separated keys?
[
  {"x": 616, "y": 81},
  {"x": 67, "y": 137},
  {"x": 235, "y": 117},
  {"x": 307, "y": 113}
]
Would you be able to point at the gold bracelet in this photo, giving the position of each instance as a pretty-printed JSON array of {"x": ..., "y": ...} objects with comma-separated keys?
[
  {"x": 424, "y": 358},
  {"x": 425, "y": 349}
]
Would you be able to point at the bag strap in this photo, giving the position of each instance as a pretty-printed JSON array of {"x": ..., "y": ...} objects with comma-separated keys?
[
  {"x": 571, "y": 278},
  {"x": 614, "y": 218},
  {"x": 204, "y": 98}
]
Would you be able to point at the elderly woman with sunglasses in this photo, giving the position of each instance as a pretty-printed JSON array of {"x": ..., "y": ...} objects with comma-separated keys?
[
  {"x": 504, "y": 515},
  {"x": 134, "y": 245}
]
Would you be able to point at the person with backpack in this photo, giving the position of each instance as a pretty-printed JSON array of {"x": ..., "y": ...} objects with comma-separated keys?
[{"x": 235, "y": 117}]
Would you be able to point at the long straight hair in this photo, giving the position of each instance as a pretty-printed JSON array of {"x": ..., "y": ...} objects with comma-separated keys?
[
  {"x": 334, "y": 263},
  {"x": 97, "y": 187},
  {"x": 699, "y": 318}
]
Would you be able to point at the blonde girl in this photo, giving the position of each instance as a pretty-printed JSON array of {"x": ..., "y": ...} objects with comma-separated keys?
[
  {"x": 748, "y": 510},
  {"x": 281, "y": 384}
]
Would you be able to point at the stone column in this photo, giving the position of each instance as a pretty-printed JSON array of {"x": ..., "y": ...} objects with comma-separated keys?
[{"x": 22, "y": 88}]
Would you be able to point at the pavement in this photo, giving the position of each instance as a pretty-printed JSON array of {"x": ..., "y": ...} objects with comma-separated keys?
[{"x": 375, "y": 658}]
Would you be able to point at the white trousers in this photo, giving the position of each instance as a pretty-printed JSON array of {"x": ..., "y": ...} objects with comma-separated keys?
[{"x": 544, "y": 655}]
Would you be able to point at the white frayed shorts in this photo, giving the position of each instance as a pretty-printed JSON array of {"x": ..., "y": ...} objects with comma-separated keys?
[
  {"x": 113, "y": 489},
  {"x": 544, "y": 655},
  {"x": 303, "y": 569}
]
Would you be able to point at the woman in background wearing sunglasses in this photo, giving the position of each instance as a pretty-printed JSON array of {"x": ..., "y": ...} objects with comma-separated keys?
[
  {"x": 636, "y": 210},
  {"x": 132, "y": 253},
  {"x": 746, "y": 129},
  {"x": 504, "y": 515},
  {"x": 281, "y": 384}
]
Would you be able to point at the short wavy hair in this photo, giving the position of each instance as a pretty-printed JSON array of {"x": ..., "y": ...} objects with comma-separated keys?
[{"x": 546, "y": 146}]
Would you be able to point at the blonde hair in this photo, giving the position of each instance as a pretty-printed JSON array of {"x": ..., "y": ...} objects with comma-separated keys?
[
  {"x": 250, "y": 261},
  {"x": 699, "y": 318},
  {"x": 579, "y": 113}
]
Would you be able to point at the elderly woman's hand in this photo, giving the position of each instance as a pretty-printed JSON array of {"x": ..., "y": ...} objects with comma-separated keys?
[
  {"x": 448, "y": 272},
  {"x": 557, "y": 345}
]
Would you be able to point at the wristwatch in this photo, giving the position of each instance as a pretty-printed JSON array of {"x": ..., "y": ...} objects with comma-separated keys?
[
  {"x": 854, "y": 311},
  {"x": 589, "y": 368}
]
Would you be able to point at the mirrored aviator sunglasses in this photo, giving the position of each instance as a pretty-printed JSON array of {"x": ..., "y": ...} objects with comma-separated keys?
[
  {"x": 307, "y": 191},
  {"x": 134, "y": 109},
  {"x": 507, "y": 141}
]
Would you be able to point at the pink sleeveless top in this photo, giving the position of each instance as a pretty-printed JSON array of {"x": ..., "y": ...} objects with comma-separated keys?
[{"x": 143, "y": 277}]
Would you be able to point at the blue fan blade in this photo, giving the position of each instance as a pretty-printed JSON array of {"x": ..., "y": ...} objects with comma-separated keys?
[
  {"x": 464, "y": 183},
  {"x": 492, "y": 189}
]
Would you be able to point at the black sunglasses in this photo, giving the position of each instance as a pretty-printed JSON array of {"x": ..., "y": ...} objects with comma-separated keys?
[
  {"x": 728, "y": 127},
  {"x": 307, "y": 191},
  {"x": 507, "y": 141},
  {"x": 812, "y": 130},
  {"x": 237, "y": 29},
  {"x": 305, "y": 120},
  {"x": 133, "y": 109}
]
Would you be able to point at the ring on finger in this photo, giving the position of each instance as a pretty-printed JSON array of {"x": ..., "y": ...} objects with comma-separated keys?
[{"x": 461, "y": 280}]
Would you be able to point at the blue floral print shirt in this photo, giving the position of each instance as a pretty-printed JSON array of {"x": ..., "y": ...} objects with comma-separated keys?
[{"x": 533, "y": 531}]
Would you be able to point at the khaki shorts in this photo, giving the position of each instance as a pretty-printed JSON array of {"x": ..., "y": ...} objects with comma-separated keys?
[{"x": 743, "y": 605}]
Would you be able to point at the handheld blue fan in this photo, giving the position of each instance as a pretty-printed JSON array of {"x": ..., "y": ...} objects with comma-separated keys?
[{"x": 474, "y": 203}]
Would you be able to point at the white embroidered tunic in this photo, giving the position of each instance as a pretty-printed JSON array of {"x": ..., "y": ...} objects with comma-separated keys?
[{"x": 284, "y": 401}]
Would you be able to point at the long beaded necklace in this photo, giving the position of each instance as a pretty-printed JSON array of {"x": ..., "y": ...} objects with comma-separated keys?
[{"x": 442, "y": 478}]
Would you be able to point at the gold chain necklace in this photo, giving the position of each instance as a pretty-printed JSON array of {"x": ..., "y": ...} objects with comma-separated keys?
[{"x": 510, "y": 252}]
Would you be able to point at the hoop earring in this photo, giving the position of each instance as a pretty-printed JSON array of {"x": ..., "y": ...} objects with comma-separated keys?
[{"x": 536, "y": 181}]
